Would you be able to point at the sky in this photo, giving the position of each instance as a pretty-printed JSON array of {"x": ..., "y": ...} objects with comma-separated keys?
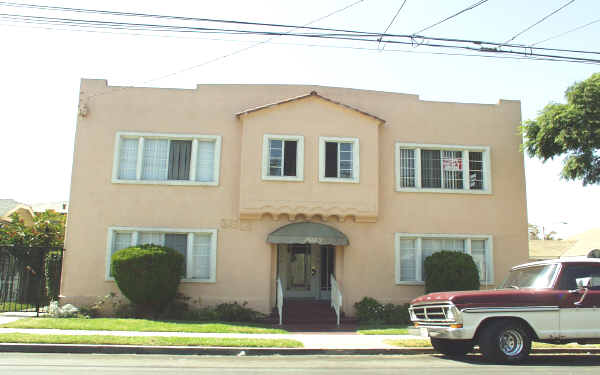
[{"x": 41, "y": 68}]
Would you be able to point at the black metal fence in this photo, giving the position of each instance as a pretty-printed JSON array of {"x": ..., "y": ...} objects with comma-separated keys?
[{"x": 23, "y": 278}]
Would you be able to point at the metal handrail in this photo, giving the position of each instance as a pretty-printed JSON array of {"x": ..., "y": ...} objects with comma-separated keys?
[
  {"x": 336, "y": 298},
  {"x": 280, "y": 300}
]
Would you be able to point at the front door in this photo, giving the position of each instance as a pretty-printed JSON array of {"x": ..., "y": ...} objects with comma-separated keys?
[{"x": 299, "y": 271}]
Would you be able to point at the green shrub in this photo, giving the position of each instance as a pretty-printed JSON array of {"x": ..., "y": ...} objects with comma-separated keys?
[
  {"x": 369, "y": 310},
  {"x": 52, "y": 269},
  {"x": 148, "y": 275},
  {"x": 234, "y": 312},
  {"x": 450, "y": 270}
]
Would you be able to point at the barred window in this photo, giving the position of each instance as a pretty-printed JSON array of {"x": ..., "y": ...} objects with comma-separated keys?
[{"x": 442, "y": 168}]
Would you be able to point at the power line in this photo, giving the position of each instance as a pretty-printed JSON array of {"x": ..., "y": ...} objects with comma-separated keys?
[
  {"x": 566, "y": 32},
  {"x": 454, "y": 15},
  {"x": 350, "y": 35},
  {"x": 540, "y": 21},
  {"x": 170, "y": 28},
  {"x": 413, "y": 40},
  {"x": 251, "y": 46},
  {"x": 392, "y": 21}
]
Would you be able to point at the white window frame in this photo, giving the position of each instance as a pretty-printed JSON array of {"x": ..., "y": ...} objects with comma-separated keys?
[
  {"x": 299, "y": 157},
  {"x": 417, "y": 147},
  {"x": 195, "y": 138},
  {"x": 355, "y": 159},
  {"x": 190, "y": 238},
  {"x": 418, "y": 237}
]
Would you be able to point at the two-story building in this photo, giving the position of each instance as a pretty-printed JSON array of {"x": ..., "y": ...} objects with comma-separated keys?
[{"x": 259, "y": 183}]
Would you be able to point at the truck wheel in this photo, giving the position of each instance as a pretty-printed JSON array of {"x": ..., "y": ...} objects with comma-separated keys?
[
  {"x": 505, "y": 341},
  {"x": 452, "y": 348}
]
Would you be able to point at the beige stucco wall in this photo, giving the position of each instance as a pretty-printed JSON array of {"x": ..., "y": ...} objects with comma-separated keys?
[{"x": 245, "y": 262}]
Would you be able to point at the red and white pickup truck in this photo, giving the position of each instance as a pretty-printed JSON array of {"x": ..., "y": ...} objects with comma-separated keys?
[{"x": 555, "y": 301}]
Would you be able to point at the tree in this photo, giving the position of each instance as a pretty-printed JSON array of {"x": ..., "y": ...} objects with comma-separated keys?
[
  {"x": 571, "y": 129},
  {"x": 48, "y": 230}
]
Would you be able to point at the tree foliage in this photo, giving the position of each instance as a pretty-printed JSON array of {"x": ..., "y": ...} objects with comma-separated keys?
[
  {"x": 571, "y": 129},
  {"x": 48, "y": 230}
]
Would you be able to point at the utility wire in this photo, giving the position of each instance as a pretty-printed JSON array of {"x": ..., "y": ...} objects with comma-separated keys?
[
  {"x": 180, "y": 18},
  {"x": 454, "y": 15},
  {"x": 413, "y": 40},
  {"x": 93, "y": 23},
  {"x": 540, "y": 21},
  {"x": 393, "y": 19},
  {"x": 565, "y": 32},
  {"x": 251, "y": 46},
  {"x": 411, "y": 51}
]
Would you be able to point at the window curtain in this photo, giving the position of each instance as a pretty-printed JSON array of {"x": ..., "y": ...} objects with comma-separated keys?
[
  {"x": 156, "y": 155},
  {"x": 200, "y": 257},
  {"x": 205, "y": 161},
  {"x": 128, "y": 158}
]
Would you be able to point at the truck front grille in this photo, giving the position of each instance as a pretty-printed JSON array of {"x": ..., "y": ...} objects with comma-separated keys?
[{"x": 430, "y": 313}]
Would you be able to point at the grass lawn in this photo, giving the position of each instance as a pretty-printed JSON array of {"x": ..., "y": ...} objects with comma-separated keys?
[
  {"x": 416, "y": 343},
  {"x": 140, "y": 325},
  {"x": 381, "y": 329},
  {"x": 147, "y": 341}
]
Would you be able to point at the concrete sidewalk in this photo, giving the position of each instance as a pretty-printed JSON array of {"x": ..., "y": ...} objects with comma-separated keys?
[{"x": 316, "y": 340}]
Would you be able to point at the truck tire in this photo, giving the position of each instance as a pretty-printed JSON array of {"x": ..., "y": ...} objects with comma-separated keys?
[
  {"x": 505, "y": 341},
  {"x": 452, "y": 348}
]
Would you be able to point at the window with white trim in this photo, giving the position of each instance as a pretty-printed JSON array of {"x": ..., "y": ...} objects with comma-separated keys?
[
  {"x": 338, "y": 159},
  {"x": 176, "y": 159},
  {"x": 440, "y": 168},
  {"x": 198, "y": 246},
  {"x": 283, "y": 157},
  {"x": 412, "y": 249}
]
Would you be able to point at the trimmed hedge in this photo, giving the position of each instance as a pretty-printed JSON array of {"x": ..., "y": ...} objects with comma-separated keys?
[
  {"x": 369, "y": 310},
  {"x": 450, "y": 270},
  {"x": 52, "y": 269},
  {"x": 148, "y": 275}
]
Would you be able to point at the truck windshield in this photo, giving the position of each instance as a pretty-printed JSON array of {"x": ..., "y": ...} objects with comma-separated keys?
[{"x": 530, "y": 277}]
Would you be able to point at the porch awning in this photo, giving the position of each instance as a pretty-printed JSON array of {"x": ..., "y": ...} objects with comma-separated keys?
[{"x": 308, "y": 232}]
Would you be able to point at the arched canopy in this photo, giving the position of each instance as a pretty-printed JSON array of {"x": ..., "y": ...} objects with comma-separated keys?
[{"x": 308, "y": 232}]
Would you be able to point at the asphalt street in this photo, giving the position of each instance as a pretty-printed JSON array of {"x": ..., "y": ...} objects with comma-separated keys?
[{"x": 29, "y": 363}]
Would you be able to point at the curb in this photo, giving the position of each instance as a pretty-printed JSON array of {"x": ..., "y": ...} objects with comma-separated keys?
[
  {"x": 229, "y": 351},
  {"x": 192, "y": 350}
]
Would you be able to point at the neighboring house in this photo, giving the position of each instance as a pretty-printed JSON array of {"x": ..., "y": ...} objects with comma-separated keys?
[
  {"x": 548, "y": 249},
  {"x": 10, "y": 206},
  {"x": 61, "y": 207},
  {"x": 584, "y": 243},
  {"x": 259, "y": 182}
]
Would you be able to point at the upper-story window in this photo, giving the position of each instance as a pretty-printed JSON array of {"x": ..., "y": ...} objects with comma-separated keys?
[
  {"x": 338, "y": 159},
  {"x": 176, "y": 159},
  {"x": 283, "y": 157},
  {"x": 438, "y": 168}
]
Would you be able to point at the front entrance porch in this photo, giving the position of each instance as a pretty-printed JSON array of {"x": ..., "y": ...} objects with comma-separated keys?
[{"x": 309, "y": 256}]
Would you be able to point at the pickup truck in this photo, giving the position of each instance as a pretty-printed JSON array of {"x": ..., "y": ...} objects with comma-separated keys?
[{"x": 554, "y": 301}]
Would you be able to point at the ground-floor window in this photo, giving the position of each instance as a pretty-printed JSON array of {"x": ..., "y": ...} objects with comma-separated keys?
[
  {"x": 412, "y": 249},
  {"x": 198, "y": 246}
]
